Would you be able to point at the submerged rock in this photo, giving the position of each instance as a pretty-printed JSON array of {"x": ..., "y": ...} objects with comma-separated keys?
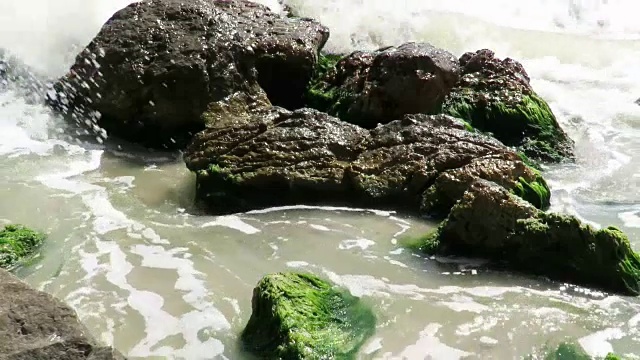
[
  {"x": 568, "y": 351},
  {"x": 489, "y": 222},
  {"x": 300, "y": 316},
  {"x": 36, "y": 326},
  {"x": 367, "y": 88},
  {"x": 495, "y": 96},
  {"x": 422, "y": 163},
  {"x": 16, "y": 244},
  {"x": 157, "y": 66}
]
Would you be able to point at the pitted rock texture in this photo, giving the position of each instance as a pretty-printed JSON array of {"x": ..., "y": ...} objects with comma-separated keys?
[
  {"x": 367, "y": 88},
  {"x": 421, "y": 163},
  {"x": 157, "y": 65},
  {"x": 495, "y": 96},
  {"x": 36, "y": 326}
]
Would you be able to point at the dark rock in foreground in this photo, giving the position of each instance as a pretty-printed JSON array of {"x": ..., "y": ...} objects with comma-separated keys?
[
  {"x": 16, "y": 244},
  {"x": 489, "y": 222},
  {"x": 495, "y": 96},
  {"x": 157, "y": 66},
  {"x": 367, "y": 88},
  {"x": 299, "y": 316},
  {"x": 36, "y": 326},
  {"x": 421, "y": 163}
]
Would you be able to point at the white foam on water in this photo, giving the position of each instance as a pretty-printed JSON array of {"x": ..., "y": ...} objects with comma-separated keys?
[
  {"x": 597, "y": 344},
  {"x": 429, "y": 346},
  {"x": 232, "y": 222}
]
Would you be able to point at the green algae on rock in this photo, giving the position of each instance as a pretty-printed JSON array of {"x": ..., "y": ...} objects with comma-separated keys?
[
  {"x": 568, "y": 351},
  {"x": 495, "y": 97},
  {"x": 490, "y": 222},
  {"x": 300, "y": 316},
  {"x": 320, "y": 95},
  {"x": 17, "y": 243}
]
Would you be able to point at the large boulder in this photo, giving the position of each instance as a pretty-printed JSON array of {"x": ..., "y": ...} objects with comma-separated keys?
[
  {"x": 36, "y": 326},
  {"x": 157, "y": 67},
  {"x": 17, "y": 243},
  {"x": 422, "y": 163},
  {"x": 300, "y": 316},
  {"x": 490, "y": 222},
  {"x": 495, "y": 96},
  {"x": 367, "y": 88}
]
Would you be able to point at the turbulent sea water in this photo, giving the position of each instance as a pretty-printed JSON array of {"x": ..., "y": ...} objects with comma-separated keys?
[{"x": 157, "y": 281}]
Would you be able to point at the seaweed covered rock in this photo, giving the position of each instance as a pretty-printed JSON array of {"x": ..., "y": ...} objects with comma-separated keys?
[
  {"x": 367, "y": 88},
  {"x": 421, "y": 163},
  {"x": 300, "y": 316},
  {"x": 17, "y": 243},
  {"x": 568, "y": 351},
  {"x": 157, "y": 66},
  {"x": 37, "y": 326},
  {"x": 490, "y": 222},
  {"x": 495, "y": 96}
]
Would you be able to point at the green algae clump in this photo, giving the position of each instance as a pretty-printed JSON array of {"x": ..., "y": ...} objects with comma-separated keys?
[
  {"x": 300, "y": 316},
  {"x": 324, "y": 96},
  {"x": 535, "y": 192},
  {"x": 490, "y": 222},
  {"x": 16, "y": 244}
]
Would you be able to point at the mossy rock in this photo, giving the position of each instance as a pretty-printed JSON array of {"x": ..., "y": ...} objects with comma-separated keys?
[
  {"x": 495, "y": 97},
  {"x": 569, "y": 351},
  {"x": 490, "y": 222},
  {"x": 16, "y": 244},
  {"x": 300, "y": 316}
]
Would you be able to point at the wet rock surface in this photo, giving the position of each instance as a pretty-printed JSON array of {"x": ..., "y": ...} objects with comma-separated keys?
[
  {"x": 157, "y": 65},
  {"x": 36, "y": 326},
  {"x": 367, "y": 88},
  {"x": 489, "y": 222},
  {"x": 421, "y": 163},
  {"x": 495, "y": 96}
]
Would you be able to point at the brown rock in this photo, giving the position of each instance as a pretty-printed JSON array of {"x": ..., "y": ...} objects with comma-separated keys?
[
  {"x": 157, "y": 65},
  {"x": 36, "y": 326}
]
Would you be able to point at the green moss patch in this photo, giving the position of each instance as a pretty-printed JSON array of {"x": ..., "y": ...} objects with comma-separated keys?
[
  {"x": 324, "y": 96},
  {"x": 524, "y": 121},
  {"x": 16, "y": 244},
  {"x": 536, "y": 192},
  {"x": 300, "y": 316}
]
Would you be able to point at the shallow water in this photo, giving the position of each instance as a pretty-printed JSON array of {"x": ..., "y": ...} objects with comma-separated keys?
[{"x": 149, "y": 275}]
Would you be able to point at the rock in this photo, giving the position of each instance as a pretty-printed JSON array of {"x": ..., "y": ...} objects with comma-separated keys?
[
  {"x": 367, "y": 88},
  {"x": 16, "y": 244},
  {"x": 156, "y": 66},
  {"x": 568, "y": 351},
  {"x": 300, "y": 316},
  {"x": 422, "y": 163},
  {"x": 36, "y": 326},
  {"x": 489, "y": 222},
  {"x": 495, "y": 96}
]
